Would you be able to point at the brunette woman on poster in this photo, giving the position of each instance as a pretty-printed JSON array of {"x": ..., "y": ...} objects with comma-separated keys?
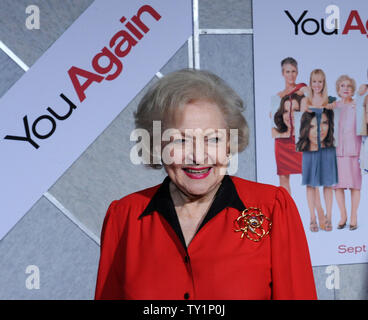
[
  {"x": 283, "y": 116},
  {"x": 319, "y": 160},
  {"x": 308, "y": 135},
  {"x": 348, "y": 152},
  {"x": 288, "y": 161}
]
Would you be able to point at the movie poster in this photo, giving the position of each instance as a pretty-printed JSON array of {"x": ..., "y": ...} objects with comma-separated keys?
[{"x": 311, "y": 101}]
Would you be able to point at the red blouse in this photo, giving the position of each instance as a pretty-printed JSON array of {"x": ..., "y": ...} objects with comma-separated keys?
[{"x": 143, "y": 255}]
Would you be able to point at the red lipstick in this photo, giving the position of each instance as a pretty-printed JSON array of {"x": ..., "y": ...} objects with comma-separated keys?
[{"x": 197, "y": 173}]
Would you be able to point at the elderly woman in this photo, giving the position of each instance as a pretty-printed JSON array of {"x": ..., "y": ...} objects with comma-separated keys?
[
  {"x": 348, "y": 152},
  {"x": 201, "y": 234}
]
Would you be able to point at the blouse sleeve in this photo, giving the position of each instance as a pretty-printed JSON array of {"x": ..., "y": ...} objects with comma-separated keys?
[
  {"x": 108, "y": 285},
  {"x": 292, "y": 274},
  {"x": 275, "y": 104}
]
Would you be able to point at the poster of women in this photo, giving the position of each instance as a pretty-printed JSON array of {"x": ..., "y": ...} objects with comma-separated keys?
[{"x": 311, "y": 103}]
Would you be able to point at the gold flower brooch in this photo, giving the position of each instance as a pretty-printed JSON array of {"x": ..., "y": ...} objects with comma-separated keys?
[{"x": 253, "y": 224}]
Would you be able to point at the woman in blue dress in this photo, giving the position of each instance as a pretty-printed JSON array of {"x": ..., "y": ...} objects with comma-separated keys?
[{"x": 319, "y": 166}]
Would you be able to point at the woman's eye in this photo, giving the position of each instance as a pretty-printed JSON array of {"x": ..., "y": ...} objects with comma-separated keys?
[
  {"x": 179, "y": 141},
  {"x": 214, "y": 139}
]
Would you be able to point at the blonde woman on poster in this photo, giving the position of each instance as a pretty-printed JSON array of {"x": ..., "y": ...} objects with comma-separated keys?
[
  {"x": 288, "y": 161},
  {"x": 319, "y": 162},
  {"x": 348, "y": 152}
]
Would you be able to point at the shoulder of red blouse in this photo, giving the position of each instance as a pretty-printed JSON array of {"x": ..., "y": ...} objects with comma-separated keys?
[
  {"x": 124, "y": 211},
  {"x": 134, "y": 203},
  {"x": 254, "y": 191}
]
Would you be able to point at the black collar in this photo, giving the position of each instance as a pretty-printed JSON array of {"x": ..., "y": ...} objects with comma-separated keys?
[{"x": 226, "y": 196}]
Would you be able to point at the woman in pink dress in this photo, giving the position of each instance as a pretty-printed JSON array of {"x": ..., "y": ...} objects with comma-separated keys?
[{"x": 347, "y": 151}]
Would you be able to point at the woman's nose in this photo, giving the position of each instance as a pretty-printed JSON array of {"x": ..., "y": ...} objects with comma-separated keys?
[{"x": 196, "y": 153}]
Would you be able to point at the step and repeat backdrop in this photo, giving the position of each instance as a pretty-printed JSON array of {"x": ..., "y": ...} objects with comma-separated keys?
[{"x": 310, "y": 97}]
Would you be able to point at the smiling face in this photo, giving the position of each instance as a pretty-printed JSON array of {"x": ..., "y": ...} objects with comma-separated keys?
[
  {"x": 198, "y": 149},
  {"x": 317, "y": 83},
  {"x": 289, "y": 72},
  {"x": 345, "y": 89}
]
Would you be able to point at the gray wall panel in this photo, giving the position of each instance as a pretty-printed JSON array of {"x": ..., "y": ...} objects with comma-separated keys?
[
  {"x": 320, "y": 277},
  {"x": 104, "y": 173},
  {"x": 55, "y": 17},
  {"x": 178, "y": 61},
  {"x": 230, "y": 56},
  {"x": 353, "y": 282},
  {"x": 10, "y": 72},
  {"x": 67, "y": 259},
  {"x": 225, "y": 14}
]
